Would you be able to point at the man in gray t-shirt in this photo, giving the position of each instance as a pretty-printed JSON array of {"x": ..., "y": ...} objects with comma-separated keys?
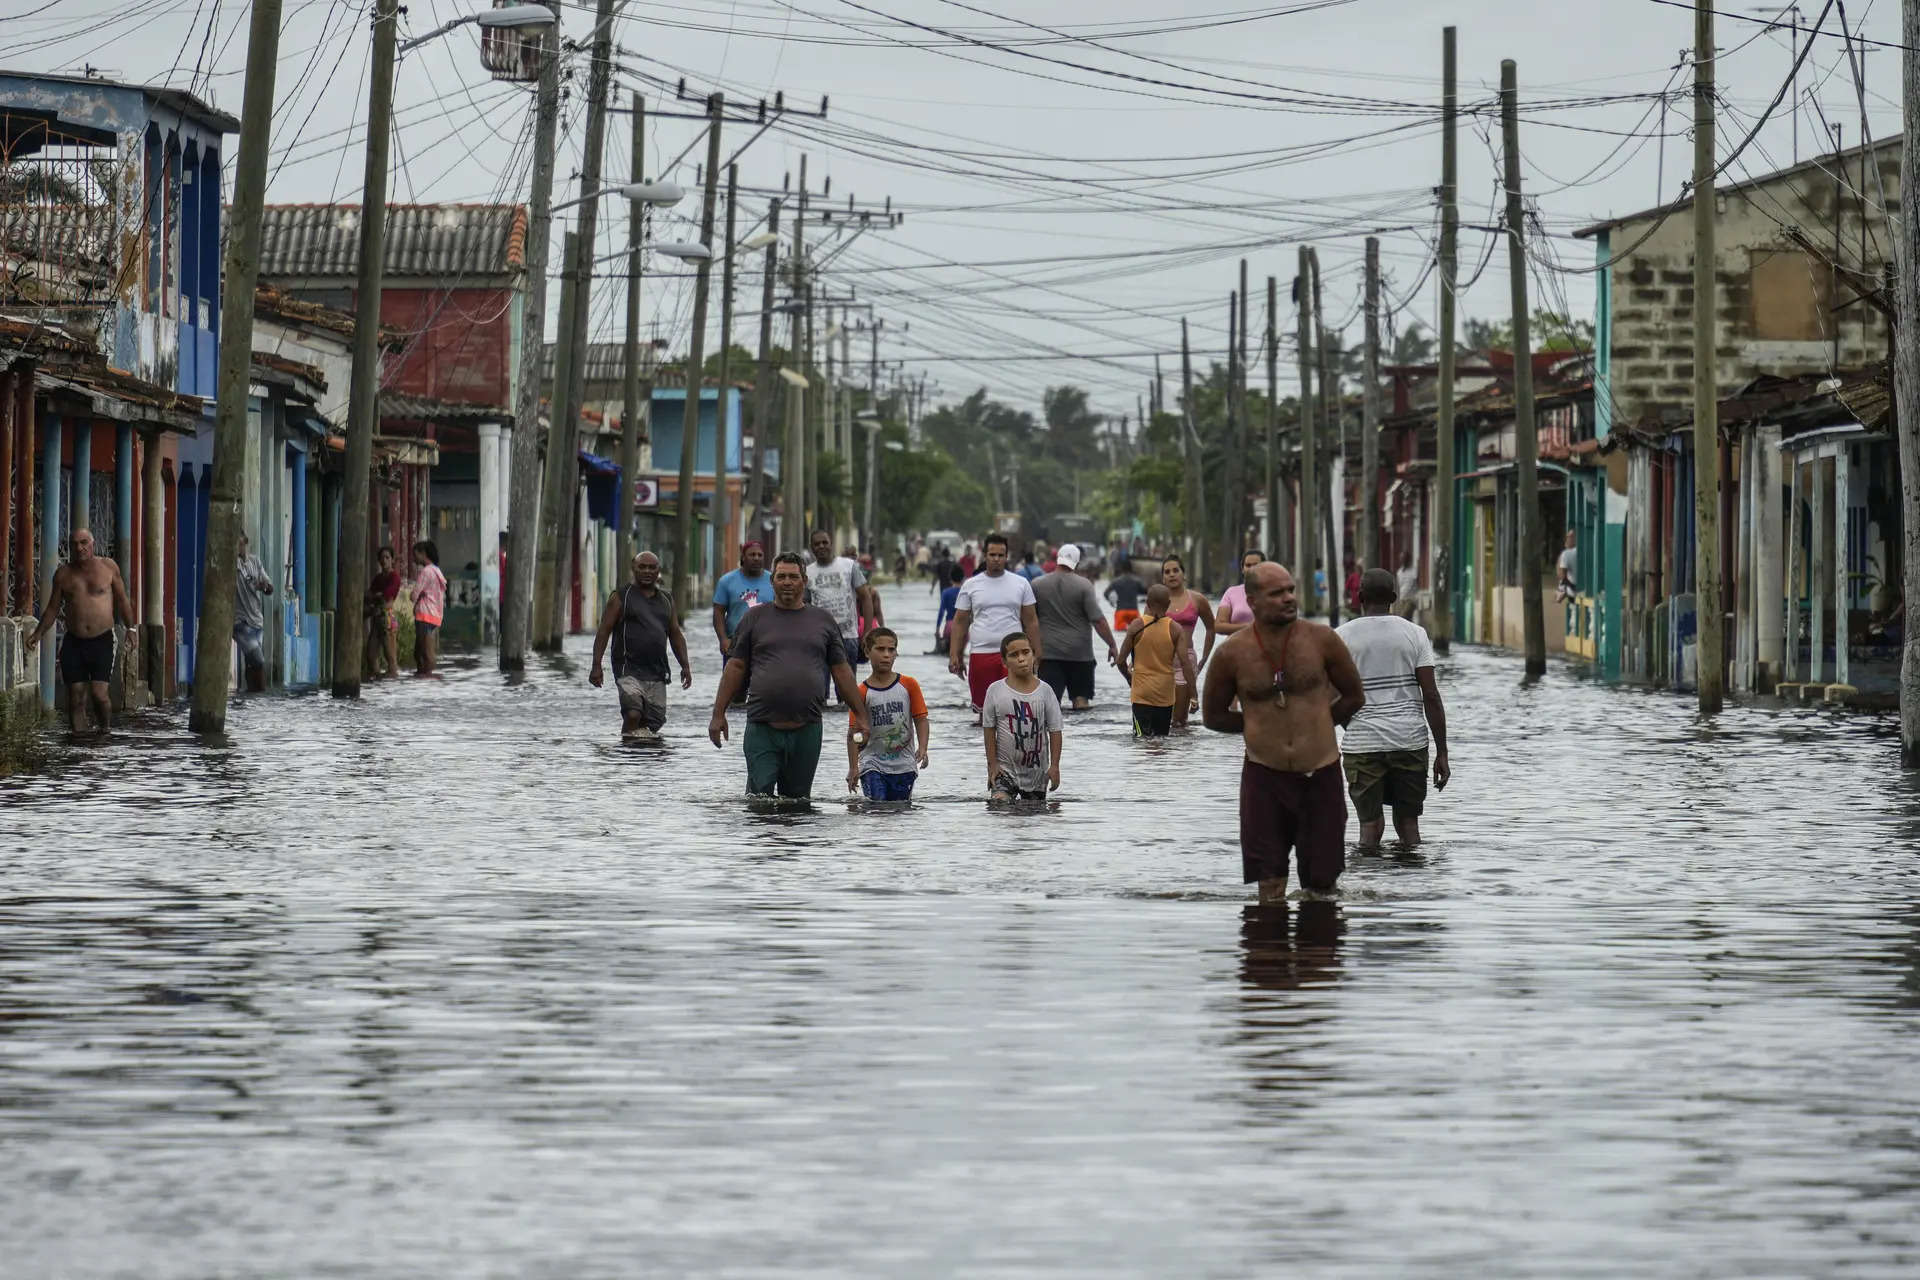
[
  {"x": 250, "y": 615},
  {"x": 780, "y": 654},
  {"x": 1069, "y": 611}
]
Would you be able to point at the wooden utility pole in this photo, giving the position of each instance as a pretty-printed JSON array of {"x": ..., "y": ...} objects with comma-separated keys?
[
  {"x": 722, "y": 513},
  {"x": 1305, "y": 536},
  {"x": 554, "y": 480},
  {"x": 524, "y": 482},
  {"x": 800, "y": 519},
  {"x": 873, "y": 438},
  {"x": 1906, "y": 374},
  {"x": 1440, "y": 528},
  {"x": 1190, "y": 446},
  {"x": 213, "y": 655},
  {"x": 1710, "y": 625},
  {"x": 630, "y": 404},
  {"x": 764, "y": 377},
  {"x": 1370, "y": 420},
  {"x": 1276, "y": 524},
  {"x": 1230, "y": 453},
  {"x": 1331, "y": 501},
  {"x": 1525, "y": 432},
  {"x": 688, "y": 571},
  {"x": 363, "y": 404},
  {"x": 1242, "y": 442},
  {"x": 569, "y": 378}
]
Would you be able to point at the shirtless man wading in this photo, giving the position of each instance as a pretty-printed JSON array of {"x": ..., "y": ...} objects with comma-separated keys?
[
  {"x": 1295, "y": 681},
  {"x": 91, "y": 591}
]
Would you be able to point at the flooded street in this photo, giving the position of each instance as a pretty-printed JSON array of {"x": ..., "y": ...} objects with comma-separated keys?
[{"x": 449, "y": 983}]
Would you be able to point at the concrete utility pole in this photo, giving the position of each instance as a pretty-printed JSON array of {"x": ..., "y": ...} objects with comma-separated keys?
[
  {"x": 873, "y": 436},
  {"x": 764, "y": 375},
  {"x": 569, "y": 379},
  {"x": 1276, "y": 537},
  {"x": 1370, "y": 420},
  {"x": 213, "y": 655},
  {"x": 524, "y": 482},
  {"x": 1906, "y": 373},
  {"x": 630, "y": 402},
  {"x": 1243, "y": 440},
  {"x": 722, "y": 512},
  {"x": 1708, "y": 606},
  {"x": 689, "y": 573},
  {"x": 553, "y": 479},
  {"x": 1525, "y": 433},
  {"x": 804, "y": 501},
  {"x": 363, "y": 404},
  {"x": 1190, "y": 446},
  {"x": 1440, "y": 528},
  {"x": 1333, "y": 509},
  {"x": 1304, "y": 536},
  {"x": 1230, "y": 454}
]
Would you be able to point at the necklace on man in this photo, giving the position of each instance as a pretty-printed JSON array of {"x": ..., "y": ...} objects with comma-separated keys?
[{"x": 1279, "y": 668}]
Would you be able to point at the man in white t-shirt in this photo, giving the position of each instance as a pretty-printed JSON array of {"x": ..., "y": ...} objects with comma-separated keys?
[
  {"x": 1386, "y": 744},
  {"x": 836, "y": 584},
  {"x": 992, "y": 604}
]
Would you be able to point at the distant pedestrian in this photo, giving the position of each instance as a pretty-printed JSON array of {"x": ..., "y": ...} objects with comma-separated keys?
[
  {"x": 1567, "y": 570},
  {"x": 992, "y": 603},
  {"x": 1233, "y": 613},
  {"x": 1158, "y": 648},
  {"x": 943, "y": 568},
  {"x": 1069, "y": 611},
  {"x": 1023, "y": 727},
  {"x": 1353, "y": 587},
  {"x": 1192, "y": 611},
  {"x": 885, "y": 759},
  {"x": 837, "y": 584},
  {"x": 968, "y": 564},
  {"x": 784, "y": 656},
  {"x": 383, "y": 629},
  {"x": 1124, "y": 593},
  {"x": 429, "y": 606},
  {"x": 1385, "y": 752},
  {"x": 949, "y": 598},
  {"x": 250, "y": 617},
  {"x": 1408, "y": 585},
  {"x": 640, "y": 621},
  {"x": 747, "y": 587},
  {"x": 1295, "y": 681}
]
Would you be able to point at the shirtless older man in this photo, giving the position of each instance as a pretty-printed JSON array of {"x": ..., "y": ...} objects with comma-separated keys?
[
  {"x": 89, "y": 587},
  {"x": 1295, "y": 681}
]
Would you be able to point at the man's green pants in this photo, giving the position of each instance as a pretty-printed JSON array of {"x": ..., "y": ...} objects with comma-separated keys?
[{"x": 782, "y": 761}]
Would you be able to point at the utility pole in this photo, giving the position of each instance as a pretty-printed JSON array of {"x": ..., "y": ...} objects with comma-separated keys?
[
  {"x": 722, "y": 516},
  {"x": 554, "y": 479},
  {"x": 630, "y": 399},
  {"x": 1305, "y": 536},
  {"x": 1242, "y": 442},
  {"x": 1708, "y": 606},
  {"x": 1190, "y": 446},
  {"x": 569, "y": 379},
  {"x": 1370, "y": 419},
  {"x": 1333, "y": 509},
  {"x": 873, "y": 436},
  {"x": 1276, "y": 539},
  {"x": 1440, "y": 529},
  {"x": 213, "y": 656},
  {"x": 363, "y": 405},
  {"x": 1906, "y": 372},
  {"x": 689, "y": 574},
  {"x": 846, "y": 415},
  {"x": 1229, "y": 454},
  {"x": 808, "y": 493},
  {"x": 1525, "y": 432},
  {"x": 764, "y": 378},
  {"x": 524, "y": 484}
]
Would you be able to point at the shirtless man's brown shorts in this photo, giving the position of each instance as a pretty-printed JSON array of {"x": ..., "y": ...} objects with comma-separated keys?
[{"x": 1300, "y": 813}]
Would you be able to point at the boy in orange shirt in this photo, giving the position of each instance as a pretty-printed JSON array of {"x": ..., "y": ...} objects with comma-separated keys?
[{"x": 883, "y": 764}]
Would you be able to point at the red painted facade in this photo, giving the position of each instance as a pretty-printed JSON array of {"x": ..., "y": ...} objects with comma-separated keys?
[{"x": 457, "y": 342}]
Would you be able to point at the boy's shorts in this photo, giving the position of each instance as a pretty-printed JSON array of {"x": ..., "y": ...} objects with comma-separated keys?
[
  {"x": 875, "y": 785},
  {"x": 1004, "y": 785},
  {"x": 1393, "y": 779}
]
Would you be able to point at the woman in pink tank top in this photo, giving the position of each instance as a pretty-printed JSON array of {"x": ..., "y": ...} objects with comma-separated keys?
[
  {"x": 1191, "y": 610},
  {"x": 1234, "y": 614}
]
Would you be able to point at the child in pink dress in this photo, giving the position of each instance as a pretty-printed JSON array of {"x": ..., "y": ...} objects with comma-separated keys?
[{"x": 429, "y": 605}]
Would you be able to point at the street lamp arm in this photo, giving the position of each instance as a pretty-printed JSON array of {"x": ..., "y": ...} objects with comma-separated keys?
[{"x": 519, "y": 15}]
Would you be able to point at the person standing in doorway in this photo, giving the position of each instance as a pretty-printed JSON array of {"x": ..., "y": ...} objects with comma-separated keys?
[
  {"x": 1233, "y": 613},
  {"x": 641, "y": 622},
  {"x": 1023, "y": 728},
  {"x": 836, "y": 584},
  {"x": 383, "y": 629},
  {"x": 1295, "y": 681},
  {"x": 1124, "y": 593},
  {"x": 429, "y": 606},
  {"x": 1158, "y": 647},
  {"x": 89, "y": 589},
  {"x": 991, "y": 604},
  {"x": 1567, "y": 571},
  {"x": 250, "y": 616},
  {"x": 1192, "y": 611},
  {"x": 1385, "y": 751},
  {"x": 1407, "y": 583},
  {"x": 783, "y": 657},
  {"x": 1067, "y": 606},
  {"x": 884, "y": 762}
]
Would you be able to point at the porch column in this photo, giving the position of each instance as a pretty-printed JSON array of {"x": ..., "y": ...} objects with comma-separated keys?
[
  {"x": 24, "y": 436},
  {"x": 298, "y": 551},
  {"x": 489, "y": 521},
  {"x": 1768, "y": 614},
  {"x": 8, "y": 401},
  {"x": 1796, "y": 561},
  {"x": 153, "y": 572},
  {"x": 1842, "y": 593},
  {"x": 83, "y": 480},
  {"x": 50, "y": 439},
  {"x": 123, "y": 500},
  {"x": 1743, "y": 677},
  {"x": 1818, "y": 560}
]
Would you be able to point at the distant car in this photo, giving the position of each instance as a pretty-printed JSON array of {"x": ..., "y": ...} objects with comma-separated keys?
[{"x": 948, "y": 538}]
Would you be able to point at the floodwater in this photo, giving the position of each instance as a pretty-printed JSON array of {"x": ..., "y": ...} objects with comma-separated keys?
[{"x": 447, "y": 983}]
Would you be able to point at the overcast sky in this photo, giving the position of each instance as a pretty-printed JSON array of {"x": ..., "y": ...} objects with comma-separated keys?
[{"x": 1076, "y": 175}]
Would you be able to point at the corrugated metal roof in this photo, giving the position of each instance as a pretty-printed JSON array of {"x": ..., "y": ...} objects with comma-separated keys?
[{"x": 308, "y": 240}]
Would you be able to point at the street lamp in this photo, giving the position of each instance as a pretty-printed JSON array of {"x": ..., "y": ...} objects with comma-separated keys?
[
  {"x": 513, "y": 15},
  {"x": 685, "y": 250},
  {"x": 757, "y": 242},
  {"x": 658, "y": 194}
]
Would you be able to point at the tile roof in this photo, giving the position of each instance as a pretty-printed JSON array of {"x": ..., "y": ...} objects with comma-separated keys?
[{"x": 306, "y": 240}]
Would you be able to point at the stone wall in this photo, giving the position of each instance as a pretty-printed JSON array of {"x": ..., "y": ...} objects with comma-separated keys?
[{"x": 1776, "y": 304}]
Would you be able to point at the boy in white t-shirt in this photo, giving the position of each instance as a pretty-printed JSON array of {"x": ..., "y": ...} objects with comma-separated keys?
[
  {"x": 992, "y": 605},
  {"x": 1385, "y": 750},
  {"x": 1023, "y": 727}
]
